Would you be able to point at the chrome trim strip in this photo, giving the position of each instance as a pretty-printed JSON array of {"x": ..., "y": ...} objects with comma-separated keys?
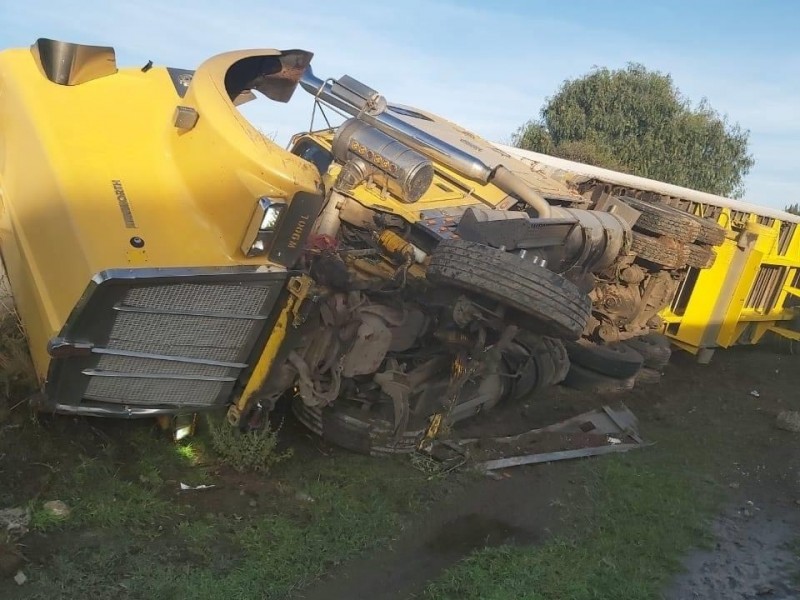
[
  {"x": 124, "y": 411},
  {"x": 183, "y": 313},
  {"x": 180, "y": 272},
  {"x": 166, "y": 357},
  {"x": 178, "y": 376}
]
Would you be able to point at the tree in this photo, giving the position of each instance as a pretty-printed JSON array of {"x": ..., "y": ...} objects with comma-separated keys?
[
  {"x": 794, "y": 209},
  {"x": 637, "y": 121}
]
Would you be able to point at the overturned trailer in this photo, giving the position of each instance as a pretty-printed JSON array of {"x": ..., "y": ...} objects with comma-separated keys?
[
  {"x": 751, "y": 287},
  {"x": 390, "y": 276}
]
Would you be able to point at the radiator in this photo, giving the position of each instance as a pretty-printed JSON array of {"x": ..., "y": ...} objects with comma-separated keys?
[{"x": 162, "y": 339}]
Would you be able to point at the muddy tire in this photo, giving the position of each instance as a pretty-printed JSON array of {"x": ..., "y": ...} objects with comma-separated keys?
[
  {"x": 581, "y": 378},
  {"x": 654, "y": 348},
  {"x": 648, "y": 376},
  {"x": 542, "y": 362},
  {"x": 557, "y": 307},
  {"x": 711, "y": 232},
  {"x": 614, "y": 360},
  {"x": 665, "y": 220},
  {"x": 699, "y": 257},
  {"x": 658, "y": 251}
]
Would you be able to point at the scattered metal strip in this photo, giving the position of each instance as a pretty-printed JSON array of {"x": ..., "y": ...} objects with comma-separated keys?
[
  {"x": 606, "y": 421},
  {"x": 533, "y": 459}
]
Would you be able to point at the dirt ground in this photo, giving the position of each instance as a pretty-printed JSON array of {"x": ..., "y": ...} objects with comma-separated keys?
[
  {"x": 730, "y": 406},
  {"x": 758, "y": 464}
]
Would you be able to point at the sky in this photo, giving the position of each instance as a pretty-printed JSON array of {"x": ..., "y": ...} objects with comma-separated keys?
[{"x": 489, "y": 66}]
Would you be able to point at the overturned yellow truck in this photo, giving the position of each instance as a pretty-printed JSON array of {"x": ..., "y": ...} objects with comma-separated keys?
[{"x": 388, "y": 276}]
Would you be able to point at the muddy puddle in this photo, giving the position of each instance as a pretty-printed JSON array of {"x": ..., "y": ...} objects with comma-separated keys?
[
  {"x": 750, "y": 557},
  {"x": 474, "y": 531}
]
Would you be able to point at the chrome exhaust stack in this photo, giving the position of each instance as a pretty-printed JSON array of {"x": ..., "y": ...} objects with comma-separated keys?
[{"x": 367, "y": 105}]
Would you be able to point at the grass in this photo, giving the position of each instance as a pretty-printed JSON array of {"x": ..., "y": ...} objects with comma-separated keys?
[
  {"x": 131, "y": 534},
  {"x": 43, "y": 519},
  {"x": 646, "y": 511},
  {"x": 345, "y": 510},
  {"x": 17, "y": 378}
]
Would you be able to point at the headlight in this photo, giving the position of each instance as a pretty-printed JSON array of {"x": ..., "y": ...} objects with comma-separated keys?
[
  {"x": 263, "y": 224},
  {"x": 271, "y": 216}
]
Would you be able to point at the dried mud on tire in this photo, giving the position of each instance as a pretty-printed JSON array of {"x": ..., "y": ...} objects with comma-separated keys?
[
  {"x": 654, "y": 250},
  {"x": 664, "y": 220},
  {"x": 700, "y": 257},
  {"x": 711, "y": 233}
]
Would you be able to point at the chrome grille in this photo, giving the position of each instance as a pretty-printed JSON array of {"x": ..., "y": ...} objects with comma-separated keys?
[
  {"x": 176, "y": 330},
  {"x": 164, "y": 349},
  {"x": 219, "y": 333},
  {"x": 171, "y": 339},
  {"x": 196, "y": 297},
  {"x": 139, "y": 365}
]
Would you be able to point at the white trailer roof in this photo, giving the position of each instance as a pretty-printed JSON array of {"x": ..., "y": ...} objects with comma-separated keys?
[{"x": 642, "y": 183}]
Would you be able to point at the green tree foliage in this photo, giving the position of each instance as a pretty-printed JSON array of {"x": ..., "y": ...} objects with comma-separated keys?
[
  {"x": 793, "y": 208},
  {"x": 637, "y": 121}
]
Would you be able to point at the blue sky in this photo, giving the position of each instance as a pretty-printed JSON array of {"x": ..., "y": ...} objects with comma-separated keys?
[{"x": 486, "y": 65}]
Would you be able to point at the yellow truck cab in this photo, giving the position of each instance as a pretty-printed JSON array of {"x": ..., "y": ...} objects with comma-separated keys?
[{"x": 132, "y": 203}]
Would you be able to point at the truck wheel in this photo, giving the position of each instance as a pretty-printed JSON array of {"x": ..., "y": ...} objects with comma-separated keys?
[
  {"x": 352, "y": 429},
  {"x": 658, "y": 251},
  {"x": 541, "y": 362},
  {"x": 581, "y": 378},
  {"x": 615, "y": 360},
  {"x": 654, "y": 348},
  {"x": 557, "y": 306},
  {"x": 711, "y": 232},
  {"x": 700, "y": 257},
  {"x": 664, "y": 220}
]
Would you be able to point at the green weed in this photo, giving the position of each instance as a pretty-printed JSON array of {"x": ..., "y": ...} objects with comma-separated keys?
[
  {"x": 249, "y": 451},
  {"x": 17, "y": 376}
]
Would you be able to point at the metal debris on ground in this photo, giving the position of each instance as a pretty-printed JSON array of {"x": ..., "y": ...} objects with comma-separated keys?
[
  {"x": 15, "y": 520},
  {"x": 755, "y": 394},
  {"x": 546, "y": 457},
  {"x": 609, "y": 431},
  {"x": 616, "y": 431},
  {"x": 188, "y": 488},
  {"x": 438, "y": 457},
  {"x": 604, "y": 421}
]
